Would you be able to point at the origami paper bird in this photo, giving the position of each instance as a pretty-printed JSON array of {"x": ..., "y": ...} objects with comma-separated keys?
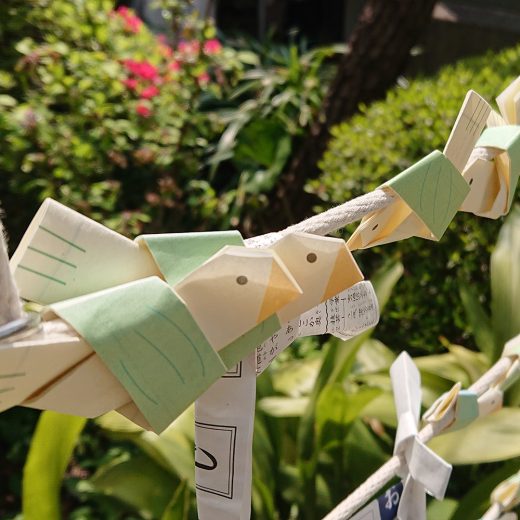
[
  {"x": 429, "y": 193},
  {"x": 323, "y": 267},
  {"x": 425, "y": 470},
  {"x": 493, "y": 178},
  {"x": 142, "y": 330},
  {"x": 220, "y": 302},
  {"x": 504, "y": 497},
  {"x": 453, "y": 410}
]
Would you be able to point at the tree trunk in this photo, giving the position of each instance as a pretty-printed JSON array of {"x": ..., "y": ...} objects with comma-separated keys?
[{"x": 378, "y": 51}]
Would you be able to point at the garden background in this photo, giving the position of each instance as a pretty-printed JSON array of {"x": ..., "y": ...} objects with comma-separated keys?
[{"x": 200, "y": 128}]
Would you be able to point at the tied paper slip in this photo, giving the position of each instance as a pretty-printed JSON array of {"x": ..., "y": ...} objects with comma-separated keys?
[
  {"x": 64, "y": 254},
  {"x": 383, "y": 507},
  {"x": 346, "y": 315},
  {"x": 150, "y": 342},
  {"x": 427, "y": 196},
  {"x": 493, "y": 178},
  {"x": 223, "y": 437},
  {"x": 321, "y": 266}
]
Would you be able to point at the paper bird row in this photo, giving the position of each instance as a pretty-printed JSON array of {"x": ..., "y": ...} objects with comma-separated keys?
[
  {"x": 479, "y": 180},
  {"x": 158, "y": 319}
]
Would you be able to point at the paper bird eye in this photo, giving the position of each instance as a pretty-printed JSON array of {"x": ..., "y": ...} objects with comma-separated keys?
[
  {"x": 241, "y": 280},
  {"x": 311, "y": 258}
]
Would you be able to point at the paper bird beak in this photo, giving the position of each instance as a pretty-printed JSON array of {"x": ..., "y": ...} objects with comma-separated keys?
[
  {"x": 281, "y": 290},
  {"x": 345, "y": 273}
]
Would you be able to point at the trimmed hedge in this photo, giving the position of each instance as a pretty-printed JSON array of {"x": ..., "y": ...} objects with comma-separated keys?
[{"x": 385, "y": 138}]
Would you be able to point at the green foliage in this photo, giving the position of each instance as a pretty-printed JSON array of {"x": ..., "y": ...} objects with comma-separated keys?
[
  {"x": 104, "y": 116},
  {"x": 384, "y": 139},
  {"x": 51, "y": 447},
  {"x": 492, "y": 333},
  {"x": 107, "y": 118}
]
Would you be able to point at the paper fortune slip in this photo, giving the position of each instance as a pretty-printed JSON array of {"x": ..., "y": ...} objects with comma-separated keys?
[
  {"x": 321, "y": 266},
  {"x": 427, "y": 197},
  {"x": 493, "y": 180},
  {"x": 345, "y": 316}
]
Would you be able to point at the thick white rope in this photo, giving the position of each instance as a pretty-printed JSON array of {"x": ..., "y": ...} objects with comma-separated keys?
[
  {"x": 330, "y": 220},
  {"x": 351, "y": 211},
  {"x": 493, "y": 513},
  {"x": 10, "y": 306},
  {"x": 390, "y": 469}
]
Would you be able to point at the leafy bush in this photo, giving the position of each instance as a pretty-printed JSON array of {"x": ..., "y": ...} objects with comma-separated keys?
[
  {"x": 114, "y": 121},
  {"x": 384, "y": 139},
  {"x": 105, "y": 117}
]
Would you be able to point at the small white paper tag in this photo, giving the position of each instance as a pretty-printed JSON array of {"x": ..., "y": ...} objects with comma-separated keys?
[
  {"x": 224, "y": 419},
  {"x": 346, "y": 315}
]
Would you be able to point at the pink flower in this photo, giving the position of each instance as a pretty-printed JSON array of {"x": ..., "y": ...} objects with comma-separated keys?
[
  {"x": 203, "y": 78},
  {"x": 142, "y": 69},
  {"x": 149, "y": 92},
  {"x": 147, "y": 71},
  {"x": 189, "y": 47},
  {"x": 131, "y": 65},
  {"x": 212, "y": 46},
  {"x": 130, "y": 83},
  {"x": 174, "y": 66},
  {"x": 133, "y": 24},
  {"x": 143, "y": 110}
]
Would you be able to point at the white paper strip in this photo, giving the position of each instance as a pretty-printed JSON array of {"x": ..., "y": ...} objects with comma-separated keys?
[
  {"x": 224, "y": 439},
  {"x": 346, "y": 315}
]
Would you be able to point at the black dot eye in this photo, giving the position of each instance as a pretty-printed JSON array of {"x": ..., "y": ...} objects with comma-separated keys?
[
  {"x": 241, "y": 280},
  {"x": 375, "y": 227},
  {"x": 470, "y": 182},
  {"x": 311, "y": 258}
]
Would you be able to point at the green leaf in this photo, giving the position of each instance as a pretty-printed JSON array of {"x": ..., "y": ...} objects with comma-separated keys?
[
  {"x": 474, "y": 363},
  {"x": 179, "y": 506},
  {"x": 445, "y": 366},
  {"x": 296, "y": 378},
  {"x": 476, "y": 501},
  {"x": 49, "y": 455},
  {"x": 373, "y": 356},
  {"x": 383, "y": 409},
  {"x": 173, "y": 449},
  {"x": 117, "y": 423},
  {"x": 441, "y": 509},
  {"x": 139, "y": 483},
  {"x": 278, "y": 406},
  {"x": 363, "y": 453},
  {"x": 505, "y": 282},
  {"x": 336, "y": 406},
  {"x": 488, "y": 439},
  {"x": 478, "y": 320}
]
